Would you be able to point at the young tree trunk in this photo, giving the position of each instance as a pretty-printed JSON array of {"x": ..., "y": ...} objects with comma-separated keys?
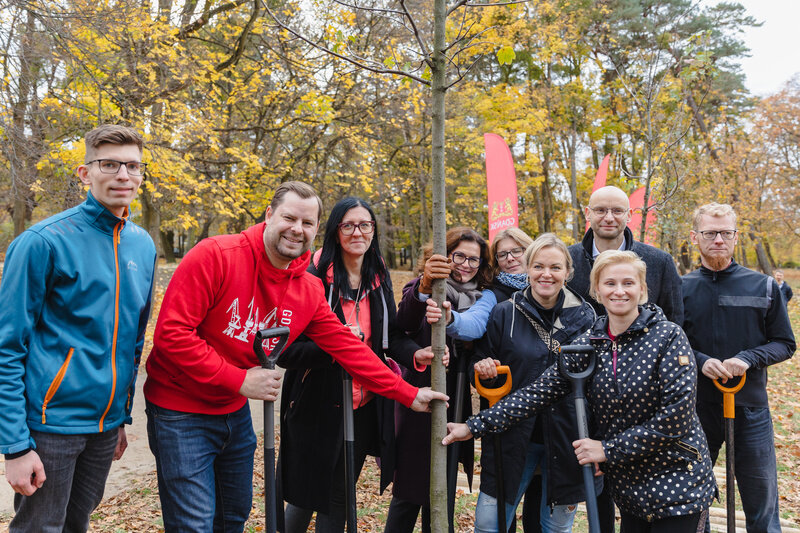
[{"x": 438, "y": 489}]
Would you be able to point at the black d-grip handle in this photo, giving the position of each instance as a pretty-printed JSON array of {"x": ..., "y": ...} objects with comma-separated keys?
[
  {"x": 575, "y": 348},
  {"x": 268, "y": 361}
]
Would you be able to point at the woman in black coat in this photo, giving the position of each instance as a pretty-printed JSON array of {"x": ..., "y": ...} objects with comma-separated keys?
[
  {"x": 647, "y": 438},
  {"x": 360, "y": 292}
]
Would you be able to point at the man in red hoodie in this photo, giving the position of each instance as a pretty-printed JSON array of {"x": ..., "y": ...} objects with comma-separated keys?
[{"x": 202, "y": 368}]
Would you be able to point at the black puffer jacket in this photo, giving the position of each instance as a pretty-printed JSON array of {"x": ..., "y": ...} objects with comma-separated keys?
[
  {"x": 512, "y": 339},
  {"x": 657, "y": 457}
]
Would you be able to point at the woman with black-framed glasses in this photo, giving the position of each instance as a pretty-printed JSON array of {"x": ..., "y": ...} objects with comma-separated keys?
[
  {"x": 467, "y": 271},
  {"x": 359, "y": 291}
]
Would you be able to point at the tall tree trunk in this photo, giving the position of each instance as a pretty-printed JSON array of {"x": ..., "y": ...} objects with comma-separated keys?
[
  {"x": 438, "y": 494},
  {"x": 21, "y": 157},
  {"x": 573, "y": 186},
  {"x": 761, "y": 255}
]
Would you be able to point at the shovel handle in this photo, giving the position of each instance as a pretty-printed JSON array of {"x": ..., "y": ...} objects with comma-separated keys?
[
  {"x": 728, "y": 393},
  {"x": 494, "y": 395},
  {"x": 268, "y": 361}
]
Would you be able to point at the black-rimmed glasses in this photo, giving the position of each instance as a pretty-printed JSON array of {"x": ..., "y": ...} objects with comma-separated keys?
[
  {"x": 459, "y": 259},
  {"x": 111, "y": 166},
  {"x": 514, "y": 252},
  {"x": 348, "y": 228},
  {"x": 727, "y": 234}
]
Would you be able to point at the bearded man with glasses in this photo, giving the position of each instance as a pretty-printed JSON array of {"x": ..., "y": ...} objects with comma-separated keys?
[{"x": 737, "y": 324}]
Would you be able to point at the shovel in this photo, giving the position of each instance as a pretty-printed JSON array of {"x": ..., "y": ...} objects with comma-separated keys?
[
  {"x": 578, "y": 380},
  {"x": 349, "y": 452},
  {"x": 268, "y": 361},
  {"x": 494, "y": 396},
  {"x": 729, "y": 413},
  {"x": 454, "y": 449}
]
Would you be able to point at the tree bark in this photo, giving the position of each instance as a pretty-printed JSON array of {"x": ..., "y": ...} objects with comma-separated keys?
[
  {"x": 438, "y": 488},
  {"x": 761, "y": 255}
]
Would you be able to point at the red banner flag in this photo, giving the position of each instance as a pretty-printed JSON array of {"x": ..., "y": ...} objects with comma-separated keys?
[
  {"x": 501, "y": 185},
  {"x": 635, "y": 223}
]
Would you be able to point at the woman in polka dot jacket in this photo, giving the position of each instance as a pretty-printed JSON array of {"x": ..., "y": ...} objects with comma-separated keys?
[{"x": 642, "y": 394}]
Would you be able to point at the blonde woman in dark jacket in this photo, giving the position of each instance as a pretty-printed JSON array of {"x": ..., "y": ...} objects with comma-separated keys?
[{"x": 647, "y": 438}]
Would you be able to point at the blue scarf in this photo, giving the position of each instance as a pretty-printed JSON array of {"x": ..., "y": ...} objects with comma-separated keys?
[{"x": 515, "y": 281}]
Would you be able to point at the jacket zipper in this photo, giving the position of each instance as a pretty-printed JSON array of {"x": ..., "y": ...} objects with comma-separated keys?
[
  {"x": 51, "y": 391},
  {"x": 691, "y": 449},
  {"x": 117, "y": 230}
]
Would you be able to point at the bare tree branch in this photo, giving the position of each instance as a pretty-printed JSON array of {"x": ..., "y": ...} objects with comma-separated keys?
[{"x": 325, "y": 49}]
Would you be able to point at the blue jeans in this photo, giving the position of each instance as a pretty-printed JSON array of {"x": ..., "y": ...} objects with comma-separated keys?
[
  {"x": 559, "y": 521},
  {"x": 76, "y": 468},
  {"x": 205, "y": 468},
  {"x": 754, "y": 458}
]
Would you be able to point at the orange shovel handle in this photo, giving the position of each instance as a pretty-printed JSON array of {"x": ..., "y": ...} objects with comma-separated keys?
[
  {"x": 494, "y": 395},
  {"x": 728, "y": 405}
]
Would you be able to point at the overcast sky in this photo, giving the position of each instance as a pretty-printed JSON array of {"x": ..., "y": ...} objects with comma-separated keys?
[{"x": 775, "y": 46}]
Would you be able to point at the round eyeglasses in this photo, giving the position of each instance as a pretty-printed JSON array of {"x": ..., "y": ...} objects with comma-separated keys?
[{"x": 459, "y": 259}]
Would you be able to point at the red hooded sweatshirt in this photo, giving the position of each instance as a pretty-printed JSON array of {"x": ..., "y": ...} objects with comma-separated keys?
[{"x": 225, "y": 290}]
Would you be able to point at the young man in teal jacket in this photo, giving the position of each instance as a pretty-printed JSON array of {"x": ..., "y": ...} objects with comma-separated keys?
[{"x": 76, "y": 292}]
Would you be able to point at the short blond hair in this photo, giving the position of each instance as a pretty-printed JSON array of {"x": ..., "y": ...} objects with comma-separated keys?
[
  {"x": 549, "y": 240},
  {"x": 713, "y": 210},
  {"x": 618, "y": 257},
  {"x": 516, "y": 235}
]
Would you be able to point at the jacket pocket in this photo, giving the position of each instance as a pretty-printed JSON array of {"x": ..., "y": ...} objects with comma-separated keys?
[
  {"x": 55, "y": 384},
  {"x": 689, "y": 452}
]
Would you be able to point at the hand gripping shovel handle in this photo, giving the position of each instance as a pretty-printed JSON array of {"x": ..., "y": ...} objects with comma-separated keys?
[
  {"x": 494, "y": 396},
  {"x": 729, "y": 413},
  {"x": 268, "y": 361},
  {"x": 578, "y": 380}
]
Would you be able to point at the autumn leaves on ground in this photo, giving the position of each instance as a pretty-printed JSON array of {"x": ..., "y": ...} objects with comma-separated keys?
[{"x": 138, "y": 509}]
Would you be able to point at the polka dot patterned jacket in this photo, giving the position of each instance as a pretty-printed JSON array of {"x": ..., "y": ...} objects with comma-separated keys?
[{"x": 657, "y": 457}]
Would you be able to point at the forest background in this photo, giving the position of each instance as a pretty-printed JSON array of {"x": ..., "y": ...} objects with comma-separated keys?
[{"x": 236, "y": 96}]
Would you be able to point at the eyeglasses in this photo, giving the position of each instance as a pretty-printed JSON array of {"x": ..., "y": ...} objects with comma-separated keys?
[
  {"x": 460, "y": 259},
  {"x": 602, "y": 211},
  {"x": 348, "y": 228},
  {"x": 727, "y": 234},
  {"x": 110, "y": 166},
  {"x": 514, "y": 252}
]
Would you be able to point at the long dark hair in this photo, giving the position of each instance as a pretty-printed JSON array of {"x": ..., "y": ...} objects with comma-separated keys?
[
  {"x": 373, "y": 265},
  {"x": 453, "y": 238}
]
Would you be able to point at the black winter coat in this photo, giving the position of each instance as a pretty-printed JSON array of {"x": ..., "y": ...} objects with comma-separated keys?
[
  {"x": 311, "y": 407},
  {"x": 512, "y": 339},
  {"x": 658, "y": 463},
  {"x": 412, "y": 473}
]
